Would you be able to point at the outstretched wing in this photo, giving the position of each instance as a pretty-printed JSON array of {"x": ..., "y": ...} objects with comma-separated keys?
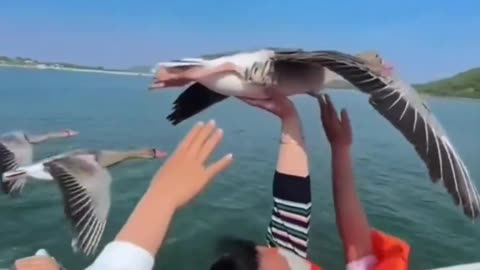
[
  {"x": 401, "y": 105},
  {"x": 85, "y": 187}
]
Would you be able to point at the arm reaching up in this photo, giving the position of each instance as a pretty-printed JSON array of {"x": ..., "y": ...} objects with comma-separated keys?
[
  {"x": 365, "y": 248},
  {"x": 290, "y": 222},
  {"x": 183, "y": 176},
  {"x": 351, "y": 219}
]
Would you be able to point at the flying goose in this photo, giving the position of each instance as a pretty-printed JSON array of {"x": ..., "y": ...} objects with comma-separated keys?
[
  {"x": 84, "y": 181},
  {"x": 16, "y": 149},
  {"x": 270, "y": 70}
]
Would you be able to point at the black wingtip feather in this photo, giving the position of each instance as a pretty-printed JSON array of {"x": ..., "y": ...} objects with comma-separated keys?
[{"x": 192, "y": 101}]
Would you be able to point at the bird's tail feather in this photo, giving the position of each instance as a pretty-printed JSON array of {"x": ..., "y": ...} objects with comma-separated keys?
[{"x": 14, "y": 181}]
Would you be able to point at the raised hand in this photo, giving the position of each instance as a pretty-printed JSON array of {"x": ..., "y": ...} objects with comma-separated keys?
[
  {"x": 186, "y": 173},
  {"x": 280, "y": 106},
  {"x": 37, "y": 262},
  {"x": 337, "y": 130}
]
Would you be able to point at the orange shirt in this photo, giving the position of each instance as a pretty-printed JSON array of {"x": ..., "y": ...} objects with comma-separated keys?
[{"x": 391, "y": 253}]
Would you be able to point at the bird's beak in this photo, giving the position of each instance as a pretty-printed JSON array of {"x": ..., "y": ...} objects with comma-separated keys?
[{"x": 158, "y": 154}]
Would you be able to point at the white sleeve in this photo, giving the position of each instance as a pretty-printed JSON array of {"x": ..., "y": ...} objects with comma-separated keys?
[{"x": 119, "y": 255}]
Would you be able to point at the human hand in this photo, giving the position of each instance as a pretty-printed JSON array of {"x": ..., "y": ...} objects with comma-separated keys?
[
  {"x": 338, "y": 131},
  {"x": 185, "y": 174},
  {"x": 37, "y": 263},
  {"x": 280, "y": 106}
]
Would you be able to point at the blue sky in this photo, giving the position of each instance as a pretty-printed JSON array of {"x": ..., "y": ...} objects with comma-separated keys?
[{"x": 424, "y": 39}]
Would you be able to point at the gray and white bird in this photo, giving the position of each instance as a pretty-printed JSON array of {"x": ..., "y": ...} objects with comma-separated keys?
[
  {"x": 84, "y": 182},
  {"x": 16, "y": 149},
  {"x": 289, "y": 72},
  {"x": 253, "y": 75}
]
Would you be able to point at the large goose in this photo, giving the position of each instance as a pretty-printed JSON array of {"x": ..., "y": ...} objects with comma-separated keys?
[
  {"x": 16, "y": 149},
  {"x": 394, "y": 99},
  {"x": 243, "y": 75},
  {"x": 84, "y": 181}
]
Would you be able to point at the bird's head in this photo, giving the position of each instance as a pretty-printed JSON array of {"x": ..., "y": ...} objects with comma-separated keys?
[
  {"x": 376, "y": 62},
  {"x": 166, "y": 77}
]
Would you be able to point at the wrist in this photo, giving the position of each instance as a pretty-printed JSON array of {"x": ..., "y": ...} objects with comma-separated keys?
[
  {"x": 167, "y": 199},
  {"x": 291, "y": 121},
  {"x": 290, "y": 115},
  {"x": 340, "y": 149},
  {"x": 292, "y": 132}
]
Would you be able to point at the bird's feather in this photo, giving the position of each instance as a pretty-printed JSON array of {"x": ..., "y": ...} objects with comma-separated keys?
[
  {"x": 17, "y": 143},
  {"x": 7, "y": 163},
  {"x": 192, "y": 101},
  {"x": 85, "y": 187}
]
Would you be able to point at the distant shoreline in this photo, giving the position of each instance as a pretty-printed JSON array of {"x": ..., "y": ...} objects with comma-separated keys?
[
  {"x": 114, "y": 72},
  {"x": 130, "y": 73}
]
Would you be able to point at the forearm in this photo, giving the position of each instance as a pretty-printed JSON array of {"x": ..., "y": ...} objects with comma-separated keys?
[
  {"x": 291, "y": 191},
  {"x": 292, "y": 157},
  {"x": 148, "y": 224},
  {"x": 351, "y": 219}
]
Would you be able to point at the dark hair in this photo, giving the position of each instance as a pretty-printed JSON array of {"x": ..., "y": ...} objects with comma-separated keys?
[{"x": 237, "y": 254}]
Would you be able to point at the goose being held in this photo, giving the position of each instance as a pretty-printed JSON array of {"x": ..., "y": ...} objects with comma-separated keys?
[
  {"x": 16, "y": 149},
  {"x": 84, "y": 181},
  {"x": 249, "y": 75},
  {"x": 255, "y": 74}
]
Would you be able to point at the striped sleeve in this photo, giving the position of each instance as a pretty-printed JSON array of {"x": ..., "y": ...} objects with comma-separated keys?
[{"x": 290, "y": 222}]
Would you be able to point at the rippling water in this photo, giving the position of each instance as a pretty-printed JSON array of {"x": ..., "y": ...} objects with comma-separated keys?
[{"x": 118, "y": 112}]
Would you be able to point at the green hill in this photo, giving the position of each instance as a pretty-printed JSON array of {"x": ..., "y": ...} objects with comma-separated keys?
[{"x": 465, "y": 84}]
